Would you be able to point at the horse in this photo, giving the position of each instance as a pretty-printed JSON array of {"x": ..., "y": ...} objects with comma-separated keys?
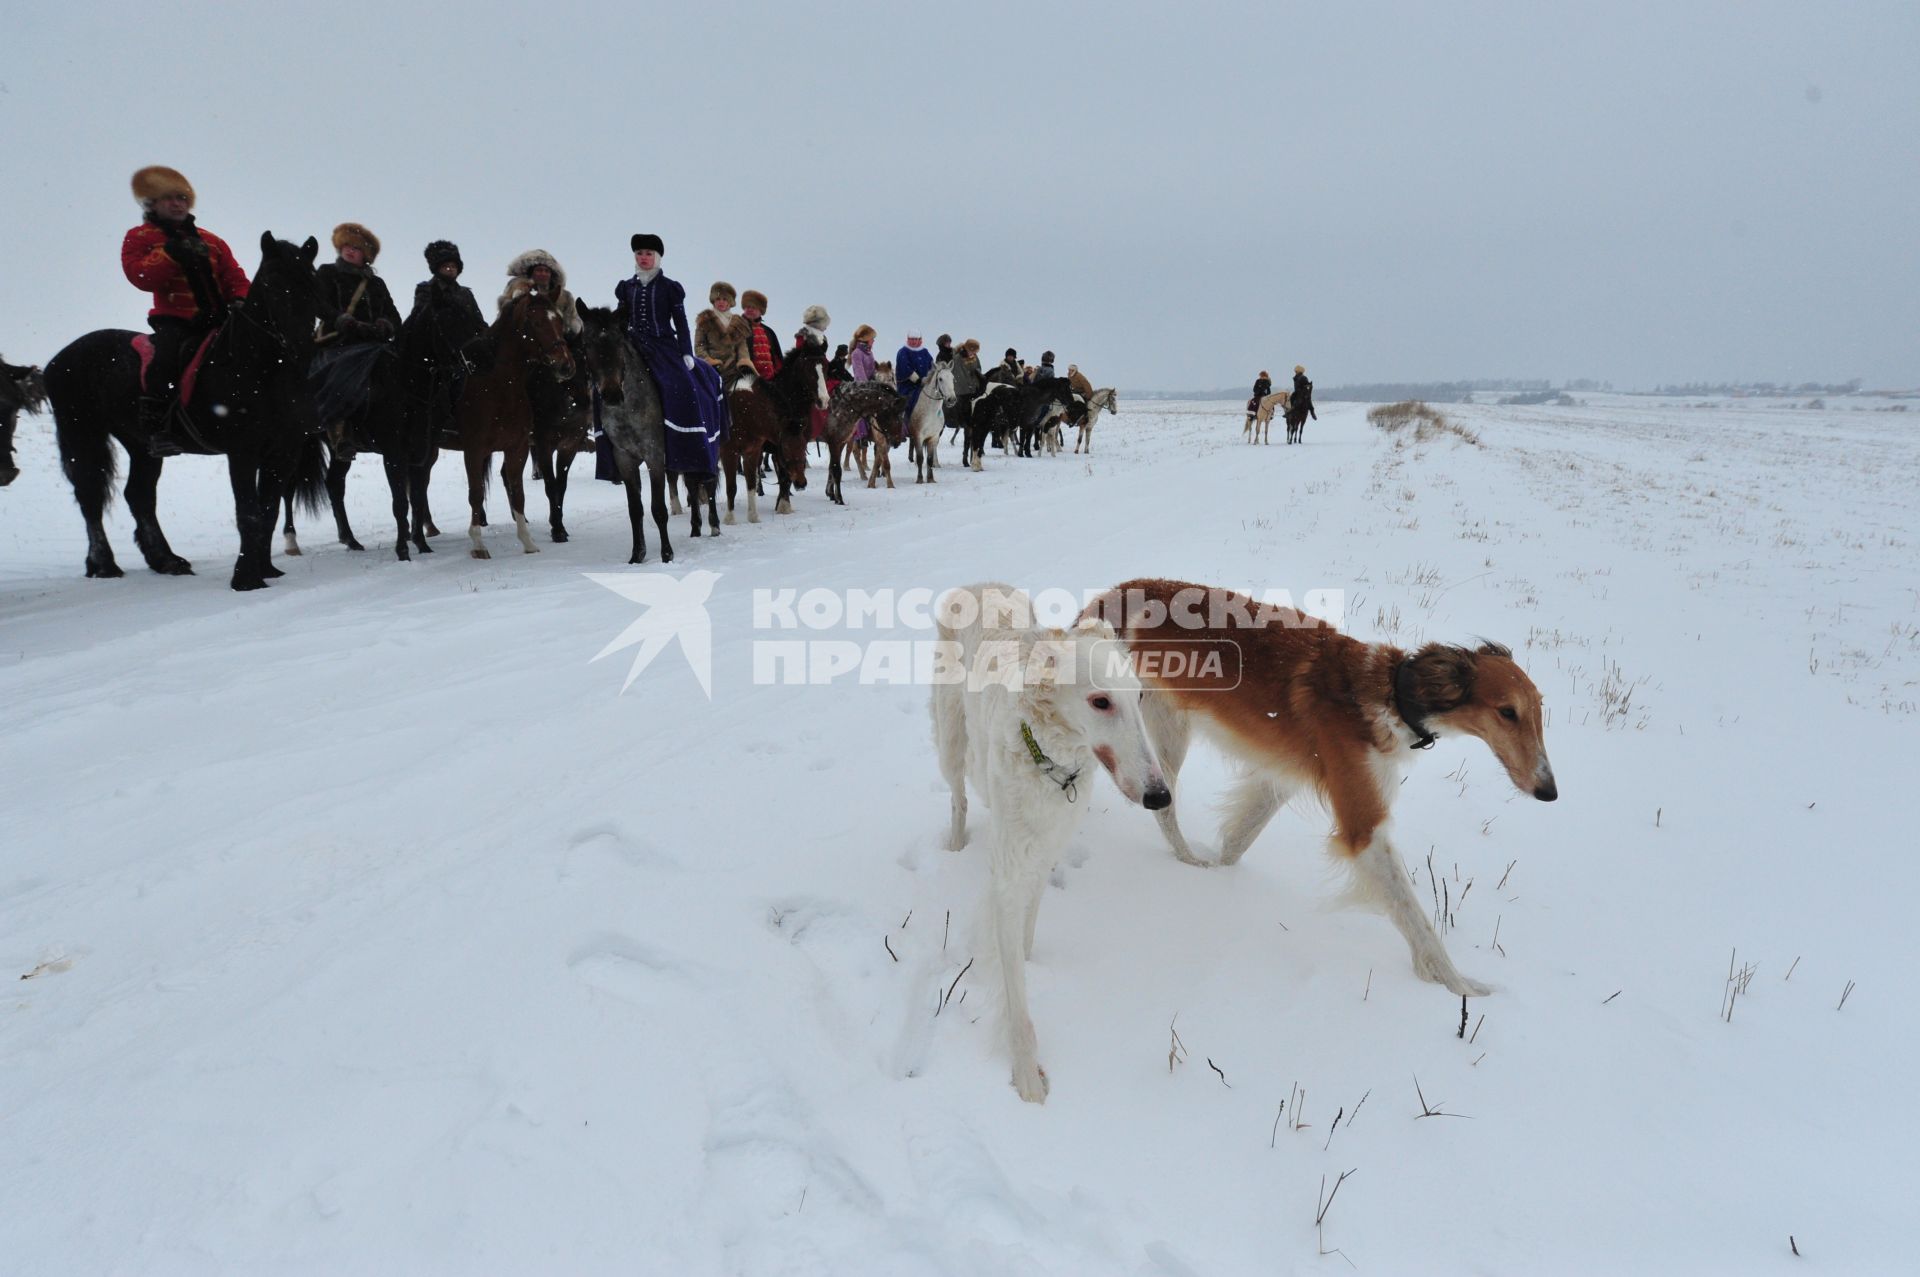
[
  {"x": 633, "y": 420},
  {"x": 1103, "y": 398},
  {"x": 1023, "y": 410},
  {"x": 380, "y": 425},
  {"x": 1260, "y": 420},
  {"x": 877, "y": 403},
  {"x": 20, "y": 388},
  {"x": 883, "y": 374},
  {"x": 928, "y": 423},
  {"x": 771, "y": 418},
  {"x": 495, "y": 412},
  {"x": 433, "y": 366},
  {"x": 249, "y": 400},
  {"x": 559, "y": 437},
  {"x": 1297, "y": 420}
]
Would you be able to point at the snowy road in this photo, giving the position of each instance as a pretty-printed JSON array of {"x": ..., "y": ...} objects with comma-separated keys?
[{"x": 371, "y": 929}]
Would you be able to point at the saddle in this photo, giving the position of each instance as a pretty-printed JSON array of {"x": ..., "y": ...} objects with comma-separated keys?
[{"x": 143, "y": 347}]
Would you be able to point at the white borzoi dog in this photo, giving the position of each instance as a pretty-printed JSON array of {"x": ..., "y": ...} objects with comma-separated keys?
[
  {"x": 1025, "y": 714},
  {"x": 1303, "y": 707}
]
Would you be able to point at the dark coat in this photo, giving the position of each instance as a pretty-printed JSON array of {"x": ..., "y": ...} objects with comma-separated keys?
[
  {"x": 1262, "y": 387},
  {"x": 1302, "y": 397},
  {"x": 336, "y": 283},
  {"x": 452, "y": 303}
]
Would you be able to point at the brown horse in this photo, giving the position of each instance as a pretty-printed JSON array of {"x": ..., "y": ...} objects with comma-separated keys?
[
  {"x": 885, "y": 412},
  {"x": 495, "y": 413},
  {"x": 771, "y": 417}
]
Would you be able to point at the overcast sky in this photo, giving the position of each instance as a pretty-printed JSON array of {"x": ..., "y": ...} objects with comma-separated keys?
[{"x": 1169, "y": 195}]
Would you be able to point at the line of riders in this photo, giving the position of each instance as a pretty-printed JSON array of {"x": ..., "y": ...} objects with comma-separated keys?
[{"x": 196, "y": 282}]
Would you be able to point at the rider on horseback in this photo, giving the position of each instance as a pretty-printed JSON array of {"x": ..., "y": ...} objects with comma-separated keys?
[
  {"x": 357, "y": 320},
  {"x": 195, "y": 281}
]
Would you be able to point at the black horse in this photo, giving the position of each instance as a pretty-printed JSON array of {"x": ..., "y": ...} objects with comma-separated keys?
[
  {"x": 409, "y": 400},
  {"x": 252, "y": 403},
  {"x": 1020, "y": 410},
  {"x": 19, "y": 388}
]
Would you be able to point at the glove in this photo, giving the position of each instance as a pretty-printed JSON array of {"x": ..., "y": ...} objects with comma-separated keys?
[
  {"x": 915, "y": 377},
  {"x": 187, "y": 248},
  {"x": 384, "y": 327},
  {"x": 688, "y": 361}
]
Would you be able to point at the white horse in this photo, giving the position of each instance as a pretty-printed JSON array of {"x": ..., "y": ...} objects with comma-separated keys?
[
  {"x": 929, "y": 421},
  {"x": 1106, "y": 398}
]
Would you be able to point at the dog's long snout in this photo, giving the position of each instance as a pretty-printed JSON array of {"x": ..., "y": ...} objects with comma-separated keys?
[
  {"x": 1158, "y": 798},
  {"x": 1544, "y": 787}
]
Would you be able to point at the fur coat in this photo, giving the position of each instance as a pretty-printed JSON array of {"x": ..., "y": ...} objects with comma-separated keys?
[
  {"x": 1078, "y": 380},
  {"x": 520, "y": 283},
  {"x": 723, "y": 341}
]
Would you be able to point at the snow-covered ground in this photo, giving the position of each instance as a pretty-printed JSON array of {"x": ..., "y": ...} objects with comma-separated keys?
[{"x": 364, "y": 926}]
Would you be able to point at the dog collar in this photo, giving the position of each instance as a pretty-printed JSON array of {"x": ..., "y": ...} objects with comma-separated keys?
[
  {"x": 1402, "y": 705},
  {"x": 1047, "y": 765}
]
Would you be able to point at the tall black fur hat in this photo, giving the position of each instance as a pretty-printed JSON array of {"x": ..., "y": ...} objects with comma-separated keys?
[
  {"x": 442, "y": 251},
  {"x": 642, "y": 242}
]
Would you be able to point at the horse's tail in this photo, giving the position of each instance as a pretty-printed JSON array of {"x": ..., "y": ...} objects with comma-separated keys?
[
  {"x": 82, "y": 424},
  {"x": 309, "y": 490}
]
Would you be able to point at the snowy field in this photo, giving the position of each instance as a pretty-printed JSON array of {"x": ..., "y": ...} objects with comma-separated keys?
[{"x": 364, "y": 926}]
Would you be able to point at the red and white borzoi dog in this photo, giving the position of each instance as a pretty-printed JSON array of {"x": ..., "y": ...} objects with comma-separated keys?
[
  {"x": 1303, "y": 706},
  {"x": 1030, "y": 714}
]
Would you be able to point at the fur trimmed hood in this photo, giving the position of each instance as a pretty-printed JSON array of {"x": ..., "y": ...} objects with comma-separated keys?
[
  {"x": 522, "y": 266},
  {"x": 520, "y": 282}
]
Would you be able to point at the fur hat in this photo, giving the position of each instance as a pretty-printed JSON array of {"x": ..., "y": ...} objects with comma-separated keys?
[
  {"x": 971, "y": 345},
  {"x": 1012, "y": 353},
  {"x": 913, "y": 334},
  {"x": 1301, "y": 369},
  {"x": 354, "y": 234},
  {"x": 1265, "y": 376},
  {"x": 442, "y": 251},
  {"x": 157, "y": 181},
  {"x": 752, "y": 299},
  {"x": 642, "y": 242},
  {"x": 721, "y": 288},
  {"x": 1046, "y": 356},
  {"x": 865, "y": 333},
  {"x": 815, "y": 317},
  {"x": 943, "y": 341}
]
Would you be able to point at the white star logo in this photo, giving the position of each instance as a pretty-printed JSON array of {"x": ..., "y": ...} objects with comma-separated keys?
[{"x": 676, "y": 609}]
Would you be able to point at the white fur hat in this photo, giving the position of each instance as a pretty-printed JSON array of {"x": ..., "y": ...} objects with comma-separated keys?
[
  {"x": 815, "y": 317},
  {"x": 912, "y": 333}
]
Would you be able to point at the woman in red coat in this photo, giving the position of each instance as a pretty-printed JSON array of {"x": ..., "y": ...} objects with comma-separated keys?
[{"x": 195, "y": 281}]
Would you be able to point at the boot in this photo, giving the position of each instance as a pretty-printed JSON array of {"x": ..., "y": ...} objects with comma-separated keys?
[{"x": 157, "y": 422}]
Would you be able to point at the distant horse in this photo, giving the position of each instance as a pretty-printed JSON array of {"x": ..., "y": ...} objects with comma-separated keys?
[
  {"x": 1260, "y": 420},
  {"x": 772, "y": 418},
  {"x": 928, "y": 422},
  {"x": 883, "y": 374},
  {"x": 250, "y": 400},
  {"x": 495, "y": 412},
  {"x": 884, "y": 410},
  {"x": 1297, "y": 421},
  {"x": 1104, "y": 398},
  {"x": 20, "y": 388}
]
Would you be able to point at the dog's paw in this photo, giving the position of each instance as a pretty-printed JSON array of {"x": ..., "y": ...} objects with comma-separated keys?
[
  {"x": 1031, "y": 1082},
  {"x": 1439, "y": 969}
]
